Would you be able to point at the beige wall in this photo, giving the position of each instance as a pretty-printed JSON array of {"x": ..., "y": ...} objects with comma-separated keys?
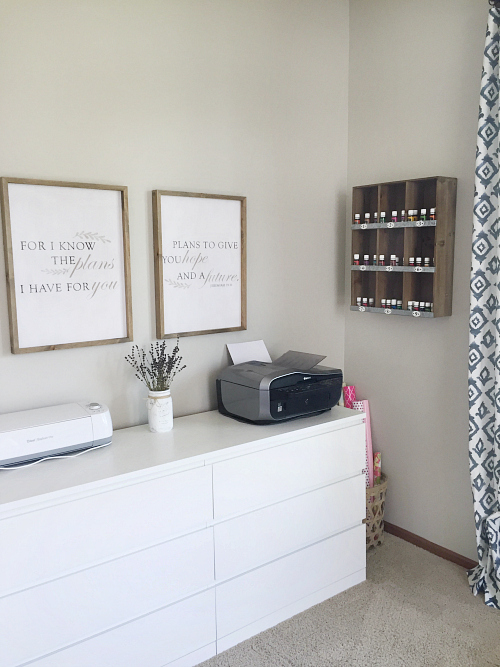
[
  {"x": 245, "y": 97},
  {"x": 415, "y": 67},
  {"x": 250, "y": 97}
]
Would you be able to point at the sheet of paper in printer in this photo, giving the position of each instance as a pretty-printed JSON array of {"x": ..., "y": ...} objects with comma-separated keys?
[
  {"x": 254, "y": 350},
  {"x": 302, "y": 361}
]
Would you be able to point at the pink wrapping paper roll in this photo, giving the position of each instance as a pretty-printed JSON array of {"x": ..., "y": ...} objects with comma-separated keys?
[
  {"x": 349, "y": 396},
  {"x": 364, "y": 406}
]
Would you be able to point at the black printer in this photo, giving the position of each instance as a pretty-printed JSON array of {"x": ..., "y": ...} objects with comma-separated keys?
[{"x": 264, "y": 393}]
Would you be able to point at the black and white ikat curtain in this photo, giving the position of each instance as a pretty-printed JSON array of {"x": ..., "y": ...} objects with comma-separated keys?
[{"x": 484, "y": 350}]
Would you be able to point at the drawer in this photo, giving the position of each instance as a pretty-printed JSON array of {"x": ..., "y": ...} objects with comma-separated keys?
[
  {"x": 152, "y": 641},
  {"x": 261, "y": 536},
  {"x": 43, "y": 544},
  {"x": 254, "y": 595},
  {"x": 76, "y": 607},
  {"x": 271, "y": 475}
]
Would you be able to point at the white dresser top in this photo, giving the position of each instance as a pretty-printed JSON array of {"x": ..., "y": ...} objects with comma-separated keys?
[{"x": 137, "y": 454}]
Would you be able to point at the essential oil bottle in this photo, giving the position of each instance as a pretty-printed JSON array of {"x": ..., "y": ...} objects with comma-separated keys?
[
  {"x": 381, "y": 260},
  {"x": 393, "y": 260},
  {"x": 382, "y": 301},
  {"x": 382, "y": 216},
  {"x": 410, "y": 305},
  {"x": 394, "y": 304},
  {"x": 374, "y": 262},
  {"x": 399, "y": 304},
  {"x": 423, "y": 214},
  {"x": 371, "y": 302},
  {"x": 375, "y": 217},
  {"x": 356, "y": 260},
  {"x": 419, "y": 261},
  {"x": 403, "y": 216},
  {"x": 365, "y": 301},
  {"x": 432, "y": 215},
  {"x": 411, "y": 261},
  {"x": 358, "y": 301},
  {"x": 427, "y": 307},
  {"x": 427, "y": 261},
  {"x": 366, "y": 260},
  {"x": 357, "y": 219},
  {"x": 367, "y": 218},
  {"x": 394, "y": 216}
]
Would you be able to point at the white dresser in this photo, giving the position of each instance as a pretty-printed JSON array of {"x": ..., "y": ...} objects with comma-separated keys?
[{"x": 164, "y": 549}]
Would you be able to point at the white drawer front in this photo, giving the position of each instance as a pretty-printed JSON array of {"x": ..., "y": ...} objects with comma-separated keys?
[
  {"x": 268, "y": 476},
  {"x": 256, "y": 594},
  {"x": 152, "y": 641},
  {"x": 61, "y": 612},
  {"x": 261, "y": 536},
  {"x": 42, "y": 544}
]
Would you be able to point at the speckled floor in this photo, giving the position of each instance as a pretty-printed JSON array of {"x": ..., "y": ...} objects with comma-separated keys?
[{"x": 414, "y": 609}]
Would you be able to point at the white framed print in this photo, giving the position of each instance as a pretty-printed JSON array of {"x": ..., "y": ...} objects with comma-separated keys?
[
  {"x": 67, "y": 260},
  {"x": 200, "y": 263}
]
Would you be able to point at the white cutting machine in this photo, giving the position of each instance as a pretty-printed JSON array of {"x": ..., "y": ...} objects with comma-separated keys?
[{"x": 35, "y": 434}]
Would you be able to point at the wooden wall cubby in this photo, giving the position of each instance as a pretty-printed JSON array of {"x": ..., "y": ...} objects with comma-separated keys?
[{"x": 421, "y": 238}]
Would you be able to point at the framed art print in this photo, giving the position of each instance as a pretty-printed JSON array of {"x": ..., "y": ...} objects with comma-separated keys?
[
  {"x": 200, "y": 263},
  {"x": 67, "y": 262}
]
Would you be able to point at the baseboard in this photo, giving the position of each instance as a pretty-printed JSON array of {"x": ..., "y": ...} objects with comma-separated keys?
[{"x": 436, "y": 549}]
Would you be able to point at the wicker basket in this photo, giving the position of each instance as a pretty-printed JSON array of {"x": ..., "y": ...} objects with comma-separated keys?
[{"x": 375, "y": 502}]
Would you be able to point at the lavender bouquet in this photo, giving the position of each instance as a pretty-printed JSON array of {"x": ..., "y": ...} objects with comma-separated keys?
[{"x": 156, "y": 368}]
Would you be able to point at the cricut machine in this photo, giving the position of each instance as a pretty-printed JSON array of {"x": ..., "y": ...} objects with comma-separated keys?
[
  {"x": 30, "y": 435},
  {"x": 267, "y": 392}
]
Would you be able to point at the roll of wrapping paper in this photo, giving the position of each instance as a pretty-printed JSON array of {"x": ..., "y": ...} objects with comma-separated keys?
[
  {"x": 377, "y": 468},
  {"x": 349, "y": 396},
  {"x": 364, "y": 406}
]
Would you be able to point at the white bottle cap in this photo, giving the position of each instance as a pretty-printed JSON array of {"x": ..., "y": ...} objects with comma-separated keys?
[
  {"x": 427, "y": 304},
  {"x": 383, "y": 302},
  {"x": 394, "y": 302},
  {"x": 423, "y": 211},
  {"x": 381, "y": 256},
  {"x": 382, "y": 214},
  {"x": 412, "y": 259},
  {"x": 357, "y": 215},
  {"x": 358, "y": 299},
  {"x": 394, "y": 213},
  {"x": 367, "y": 215},
  {"x": 433, "y": 210},
  {"x": 422, "y": 304},
  {"x": 400, "y": 302},
  {"x": 393, "y": 256},
  {"x": 366, "y": 256},
  {"x": 356, "y": 256},
  {"x": 370, "y": 301},
  {"x": 403, "y": 212}
]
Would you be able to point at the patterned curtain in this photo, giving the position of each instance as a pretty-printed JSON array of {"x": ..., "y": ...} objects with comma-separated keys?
[{"x": 484, "y": 351}]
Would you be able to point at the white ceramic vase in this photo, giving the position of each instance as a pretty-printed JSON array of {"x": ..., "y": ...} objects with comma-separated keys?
[{"x": 160, "y": 412}]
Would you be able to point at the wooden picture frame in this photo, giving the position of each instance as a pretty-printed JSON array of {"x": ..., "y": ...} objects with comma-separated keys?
[
  {"x": 200, "y": 263},
  {"x": 67, "y": 261}
]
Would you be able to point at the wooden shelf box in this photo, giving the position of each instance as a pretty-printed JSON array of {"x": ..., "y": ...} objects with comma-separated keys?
[{"x": 430, "y": 238}]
